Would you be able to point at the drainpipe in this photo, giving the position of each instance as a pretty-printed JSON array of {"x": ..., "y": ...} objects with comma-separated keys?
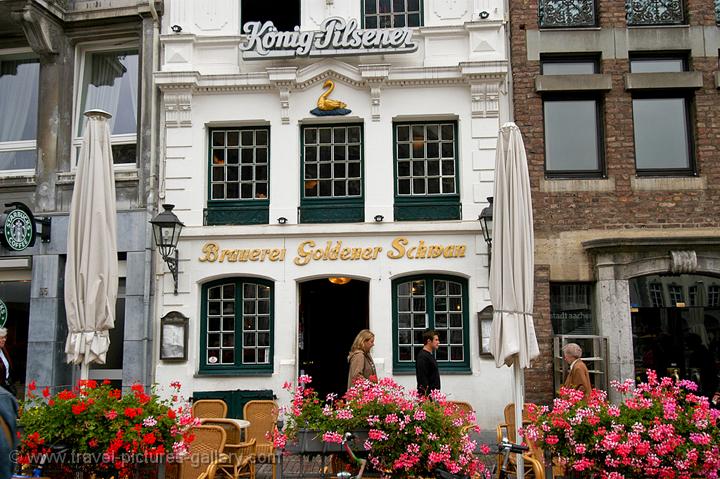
[
  {"x": 508, "y": 46},
  {"x": 151, "y": 197}
]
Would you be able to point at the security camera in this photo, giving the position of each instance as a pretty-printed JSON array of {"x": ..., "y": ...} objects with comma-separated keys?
[
  {"x": 176, "y": 28},
  {"x": 484, "y": 15}
]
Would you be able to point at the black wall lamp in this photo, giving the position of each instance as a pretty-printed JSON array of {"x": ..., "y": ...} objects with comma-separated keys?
[
  {"x": 486, "y": 221},
  {"x": 379, "y": 218},
  {"x": 484, "y": 15},
  {"x": 282, "y": 220},
  {"x": 166, "y": 231}
]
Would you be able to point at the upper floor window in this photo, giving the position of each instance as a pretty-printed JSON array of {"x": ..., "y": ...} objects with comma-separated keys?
[
  {"x": 434, "y": 302},
  {"x": 332, "y": 174},
  {"x": 648, "y": 12},
  {"x": 285, "y": 17},
  {"x": 573, "y": 123},
  {"x": 19, "y": 77},
  {"x": 426, "y": 168},
  {"x": 564, "y": 14},
  {"x": 661, "y": 122},
  {"x": 392, "y": 13},
  {"x": 236, "y": 326},
  {"x": 238, "y": 166},
  {"x": 109, "y": 81}
]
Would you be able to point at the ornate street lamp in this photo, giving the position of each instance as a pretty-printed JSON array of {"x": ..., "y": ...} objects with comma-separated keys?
[
  {"x": 486, "y": 221},
  {"x": 166, "y": 231}
]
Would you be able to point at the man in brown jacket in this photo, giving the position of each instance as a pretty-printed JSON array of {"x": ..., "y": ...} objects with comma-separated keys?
[{"x": 578, "y": 378}]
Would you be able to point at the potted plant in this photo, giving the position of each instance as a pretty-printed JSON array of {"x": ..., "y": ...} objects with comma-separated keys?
[
  {"x": 662, "y": 429},
  {"x": 406, "y": 435},
  {"x": 94, "y": 427}
]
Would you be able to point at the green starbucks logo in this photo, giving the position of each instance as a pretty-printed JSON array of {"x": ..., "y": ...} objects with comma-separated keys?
[
  {"x": 3, "y": 314},
  {"x": 19, "y": 230}
]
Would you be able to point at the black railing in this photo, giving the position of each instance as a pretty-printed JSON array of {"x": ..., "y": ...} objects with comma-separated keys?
[
  {"x": 567, "y": 13},
  {"x": 655, "y": 12}
]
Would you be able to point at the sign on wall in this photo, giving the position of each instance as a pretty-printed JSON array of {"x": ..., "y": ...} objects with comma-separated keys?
[
  {"x": 336, "y": 37},
  {"x": 3, "y": 314},
  {"x": 18, "y": 229},
  {"x": 308, "y": 251}
]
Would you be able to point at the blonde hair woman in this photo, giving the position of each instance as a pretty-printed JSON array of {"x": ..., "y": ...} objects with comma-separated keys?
[{"x": 361, "y": 363}]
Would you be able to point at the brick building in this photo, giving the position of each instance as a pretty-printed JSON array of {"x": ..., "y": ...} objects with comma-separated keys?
[{"x": 617, "y": 102}]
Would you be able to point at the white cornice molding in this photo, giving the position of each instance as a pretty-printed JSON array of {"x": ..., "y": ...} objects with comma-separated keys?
[{"x": 364, "y": 76}]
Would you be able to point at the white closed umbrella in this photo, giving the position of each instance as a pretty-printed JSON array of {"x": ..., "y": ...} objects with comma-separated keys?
[
  {"x": 91, "y": 272},
  {"x": 512, "y": 336}
]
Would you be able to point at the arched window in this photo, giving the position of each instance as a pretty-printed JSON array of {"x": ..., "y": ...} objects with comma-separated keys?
[
  {"x": 436, "y": 302},
  {"x": 236, "y": 332}
]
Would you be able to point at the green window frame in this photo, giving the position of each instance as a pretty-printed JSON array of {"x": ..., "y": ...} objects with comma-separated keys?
[
  {"x": 426, "y": 168},
  {"x": 392, "y": 13},
  {"x": 438, "y": 302},
  {"x": 332, "y": 179},
  {"x": 238, "y": 176},
  {"x": 237, "y": 327}
]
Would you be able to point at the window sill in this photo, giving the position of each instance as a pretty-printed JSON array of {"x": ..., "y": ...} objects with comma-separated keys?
[
  {"x": 554, "y": 83},
  {"x": 563, "y": 185},
  {"x": 663, "y": 81},
  {"x": 669, "y": 183},
  {"x": 130, "y": 175},
  {"x": 9, "y": 180},
  {"x": 226, "y": 373},
  {"x": 250, "y": 214},
  {"x": 460, "y": 371}
]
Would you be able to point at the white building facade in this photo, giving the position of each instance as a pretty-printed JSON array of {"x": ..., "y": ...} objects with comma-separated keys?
[{"x": 305, "y": 221}]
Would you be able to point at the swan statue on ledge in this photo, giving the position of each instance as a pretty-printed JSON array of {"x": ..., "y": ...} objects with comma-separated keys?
[{"x": 327, "y": 106}]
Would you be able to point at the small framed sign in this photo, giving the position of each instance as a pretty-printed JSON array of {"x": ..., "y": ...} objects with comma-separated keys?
[
  {"x": 173, "y": 337},
  {"x": 485, "y": 318}
]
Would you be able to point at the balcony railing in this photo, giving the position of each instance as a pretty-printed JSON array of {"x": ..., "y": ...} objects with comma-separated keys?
[
  {"x": 655, "y": 12},
  {"x": 567, "y": 13}
]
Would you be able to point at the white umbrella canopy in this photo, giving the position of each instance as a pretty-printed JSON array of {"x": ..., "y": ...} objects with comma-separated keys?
[
  {"x": 91, "y": 272},
  {"x": 512, "y": 264}
]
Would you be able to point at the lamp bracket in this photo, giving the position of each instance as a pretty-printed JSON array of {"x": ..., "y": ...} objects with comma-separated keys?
[{"x": 172, "y": 264}]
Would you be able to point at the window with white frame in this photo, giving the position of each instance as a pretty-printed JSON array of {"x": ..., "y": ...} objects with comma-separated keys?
[
  {"x": 19, "y": 75},
  {"x": 108, "y": 80},
  {"x": 392, "y": 13}
]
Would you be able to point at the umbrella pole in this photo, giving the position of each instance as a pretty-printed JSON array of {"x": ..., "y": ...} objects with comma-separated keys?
[
  {"x": 518, "y": 373},
  {"x": 84, "y": 370}
]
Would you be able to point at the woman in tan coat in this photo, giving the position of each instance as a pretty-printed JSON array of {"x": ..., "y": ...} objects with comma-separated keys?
[
  {"x": 361, "y": 363},
  {"x": 578, "y": 377}
]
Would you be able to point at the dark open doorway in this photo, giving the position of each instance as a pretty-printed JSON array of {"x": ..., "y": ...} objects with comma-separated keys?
[{"x": 331, "y": 315}]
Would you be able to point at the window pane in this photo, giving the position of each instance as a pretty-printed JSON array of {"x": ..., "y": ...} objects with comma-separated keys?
[
  {"x": 110, "y": 82},
  {"x": 661, "y": 136},
  {"x": 568, "y": 68},
  {"x": 339, "y": 160},
  {"x": 657, "y": 65},
  {"x": 252, "y": 155},
  {"x": 571, "y": 136},
  {"x": 18, "y": 103},
  {"x": 18, "y": 160}
]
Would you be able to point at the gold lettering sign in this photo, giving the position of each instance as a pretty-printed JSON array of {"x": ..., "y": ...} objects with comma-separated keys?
[
  {"x": 309, "y": 250},
  {"x": 212, "y": 253}
]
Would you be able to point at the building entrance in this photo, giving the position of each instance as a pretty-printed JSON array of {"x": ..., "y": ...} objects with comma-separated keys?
[
  {"x": 676, "y": 327},
  {"x": 330, "y": 316}
]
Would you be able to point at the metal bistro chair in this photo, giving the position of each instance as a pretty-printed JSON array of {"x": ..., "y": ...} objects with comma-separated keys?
[
  {"x": 241, "y": 455},
  {"x": 263, "y": 415},
  {"x": 206, "y": 408},
  {"x": 205, "y": 450}
]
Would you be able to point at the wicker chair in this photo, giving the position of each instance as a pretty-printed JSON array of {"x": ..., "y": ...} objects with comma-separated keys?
[
  {"x": 262, "y": 415},
  {"x": 203, "y": 408},
  {"x": 240, "y": 462},
  {"x": 463, "y": 406},
  {"x": 534, "y": 461},
  {"x": 205, "y": 451}
]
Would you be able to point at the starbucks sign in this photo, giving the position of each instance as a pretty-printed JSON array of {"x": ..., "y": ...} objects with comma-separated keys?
[
  {"x": 18, "y": 231},
  {"x": 3, "y": 314}
]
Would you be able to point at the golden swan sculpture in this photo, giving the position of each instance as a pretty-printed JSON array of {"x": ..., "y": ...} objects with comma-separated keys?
[{"x": 326, "y": 104}]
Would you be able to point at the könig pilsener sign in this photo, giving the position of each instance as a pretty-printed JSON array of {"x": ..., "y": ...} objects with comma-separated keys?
[{"x": 336, "y": 37}]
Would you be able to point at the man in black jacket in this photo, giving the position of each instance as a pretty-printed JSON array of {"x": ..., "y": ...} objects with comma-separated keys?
[
  {"x": 8, "y": 413},
  {"x": 426, "y": 369}
]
